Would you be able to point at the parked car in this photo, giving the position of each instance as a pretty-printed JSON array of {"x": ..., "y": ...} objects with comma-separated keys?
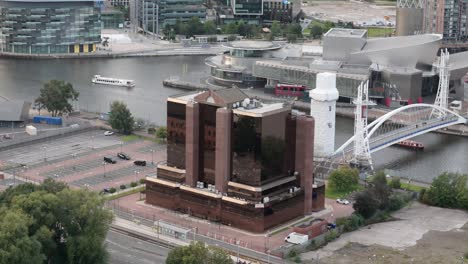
[
  {"x": 296, "y": 238},
  {"x": 106, "y": 190},
  {"x": 331, "y": 226},
  {"x": 140, "y": 162},
  {"x": 108, "y": 133},
  {"x": 110, "y": 160},
  {"x": 123, "y": 156},
  {"x": 342, "y": 201}
]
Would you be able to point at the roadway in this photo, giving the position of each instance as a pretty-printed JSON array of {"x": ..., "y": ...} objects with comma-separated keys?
[{"x": 125, "y": 249}]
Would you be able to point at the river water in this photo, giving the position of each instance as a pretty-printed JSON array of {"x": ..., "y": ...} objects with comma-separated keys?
[{"x": 22, "y": 79}]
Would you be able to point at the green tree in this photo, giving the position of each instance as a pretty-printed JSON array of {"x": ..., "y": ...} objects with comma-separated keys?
[
  {"x": 55, "y": 96},
  {"x": 448, "y": 190},
  {"x": 294, "y": 29},
  {"x": 344, "y": 179},
  {"x": 194, "y": 27},
  {"x": 161, "y": 133},
  {"x": 230, "y": 28},
  {"x": 316, "y": 31},
  {"x": 381, "y": 189},
  {"x": 210, "y": 27},
  {"x": 120, "y": 118},
  {"x": 16, "y": 245},
  {"x": 275, "y": 29},
  {"x": 395, "y": 183},
  {"x": 198, "y": 253},
  {"x": 62, "y": 225},
  {"x": 365, "y": 203}
]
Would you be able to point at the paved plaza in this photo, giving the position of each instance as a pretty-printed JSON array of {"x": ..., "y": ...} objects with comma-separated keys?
[{"x": 78, "y": 160}]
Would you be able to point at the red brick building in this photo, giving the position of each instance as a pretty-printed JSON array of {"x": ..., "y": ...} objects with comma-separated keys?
[{"x": 236, "y": 160}]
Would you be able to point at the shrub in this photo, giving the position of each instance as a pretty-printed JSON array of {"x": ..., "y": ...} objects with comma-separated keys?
[
  {"x": 133, "y": 184},
  {"x": 151, "y": 130},
  {"x": 380, "y": 216},
  {"x": 331, "y": 235},
  {"x": 161, "y": 133},
  {"x": 448, "y": 190},
  {"x": 396, "y": 202},
  {"x": 297, "y": 259},
  {"x": 122, "y": 187},
  {"x": 112, "y": 190},
  {"x": 366, "y": 204},
  {"x": 395, "y": 183},
  {"x": 312, "y": 245},
  {"x": 466, "y": 255},
  {"x": 142, "y": 181},
  {"x": 344, "y": 179},
  {"x": 293, "y": 253},
  {"x": 351, "y": 223}
]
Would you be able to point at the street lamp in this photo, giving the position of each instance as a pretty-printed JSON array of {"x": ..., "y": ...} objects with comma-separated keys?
[
  {"x": 104, "y": 165},
  {"x": 74, "y": 158},
  {"x": 237, "y": 243},
  {"x": 152, "y": 156},
  {"x": 267, "y": 247},
  {"x": 136, "y": 175},
  {"x": 121, "y": 144},
  {"x": 45, "y": 153}
]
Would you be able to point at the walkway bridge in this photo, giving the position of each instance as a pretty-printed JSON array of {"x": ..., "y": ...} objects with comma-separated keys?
[
  {"x": 404, "y": 123},
  {"x": 395, "y": 126}
]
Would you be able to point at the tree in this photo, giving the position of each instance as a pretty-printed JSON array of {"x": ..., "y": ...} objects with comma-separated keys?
[
  {"x": 294, "y": 29},
  {"x": 230, "y": 28},
  {"x": 210, "y": 27},
  {"x": 161, "y": 133},
  {"x": 54, "y": 224},
  {"x": 16, "y": 246},
  {"x": 194, "y": 27},
  {"x": 120, "y": 118},
  {"x": 366, "y": 204},
  {"x": 395, "y": 183},
  {"x": 344, "y": 179},
  {"x": 275, "y": 29},
  {"x": 381, "y": 190},
  {"x": 316, "y": 31},
  {"x": 448, "y": 190},
  {"x": 198, "y": 253},
  {"x": 55, "y": 97}
]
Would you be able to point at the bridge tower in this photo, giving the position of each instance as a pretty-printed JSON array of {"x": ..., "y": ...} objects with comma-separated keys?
[
  {"x": 322, "y": 109},
  {"x": 443, "y": 89},
  {"x": 361, "y": 151}
]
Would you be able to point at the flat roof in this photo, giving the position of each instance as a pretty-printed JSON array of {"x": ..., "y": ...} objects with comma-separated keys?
[
  {"x": 252, "y": 45},
  {"x": 346, "y": 32}
]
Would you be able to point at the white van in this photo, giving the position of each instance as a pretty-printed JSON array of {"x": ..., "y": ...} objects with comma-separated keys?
[{"x": 296, "y": 238}]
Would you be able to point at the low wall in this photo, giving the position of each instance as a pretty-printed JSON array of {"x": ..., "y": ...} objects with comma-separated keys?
[{"x": 45, "y": 135}]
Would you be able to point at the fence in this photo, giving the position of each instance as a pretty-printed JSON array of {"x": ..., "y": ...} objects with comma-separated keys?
[{"x": 211, "y": 236}]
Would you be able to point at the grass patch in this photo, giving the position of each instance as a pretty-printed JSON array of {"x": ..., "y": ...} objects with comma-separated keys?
[
  {"x": 411, "y": 187},
  {"x": 373, "y": 32},
  {"x": 131, "y": 137},
  {"x": 125, "y": 193},
  {"x": 333, "y": 194}
]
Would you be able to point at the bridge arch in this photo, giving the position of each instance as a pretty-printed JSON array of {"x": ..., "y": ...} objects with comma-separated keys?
[{"x": 376, "y": 124}]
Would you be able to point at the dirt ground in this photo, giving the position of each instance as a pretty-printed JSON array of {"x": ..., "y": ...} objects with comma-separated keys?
[
  {"x": 353, "y": 11},
  {"x": 420, "y": 234},
  {"x": 434, "y": 247}
]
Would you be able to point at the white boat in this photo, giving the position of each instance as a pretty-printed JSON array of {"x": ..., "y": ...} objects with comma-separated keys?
[{"x": 111, "y": 81}]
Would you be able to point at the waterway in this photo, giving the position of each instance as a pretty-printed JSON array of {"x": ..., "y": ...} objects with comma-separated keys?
[{"x": 23, "y": 79}]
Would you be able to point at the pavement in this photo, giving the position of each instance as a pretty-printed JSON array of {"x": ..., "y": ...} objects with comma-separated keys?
[
  {"x": 412, "y": 223},
  {"x": 124, "y": 249},
  {"x": 78, "y": 160}
]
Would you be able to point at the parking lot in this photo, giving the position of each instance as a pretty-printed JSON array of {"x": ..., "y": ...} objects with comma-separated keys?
[{"x": 78, "y": 160}]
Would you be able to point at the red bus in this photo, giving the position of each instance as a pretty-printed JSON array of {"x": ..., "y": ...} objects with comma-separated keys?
[{"x": 289, "y": 90}]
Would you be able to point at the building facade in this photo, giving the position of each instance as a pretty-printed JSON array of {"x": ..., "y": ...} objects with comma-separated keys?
[
  {"x": 447, "y": 17},
  {"x": 158, "y": 13},
  {"x": 235, "y": 160},
  {"x": 46, "y": 26}
]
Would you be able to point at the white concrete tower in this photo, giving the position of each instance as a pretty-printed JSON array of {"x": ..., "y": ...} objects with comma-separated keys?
[{"x": 322, "y": 108}]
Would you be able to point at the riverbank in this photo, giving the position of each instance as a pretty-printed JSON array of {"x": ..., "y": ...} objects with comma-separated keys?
[{"x": 190, "y": 51}]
